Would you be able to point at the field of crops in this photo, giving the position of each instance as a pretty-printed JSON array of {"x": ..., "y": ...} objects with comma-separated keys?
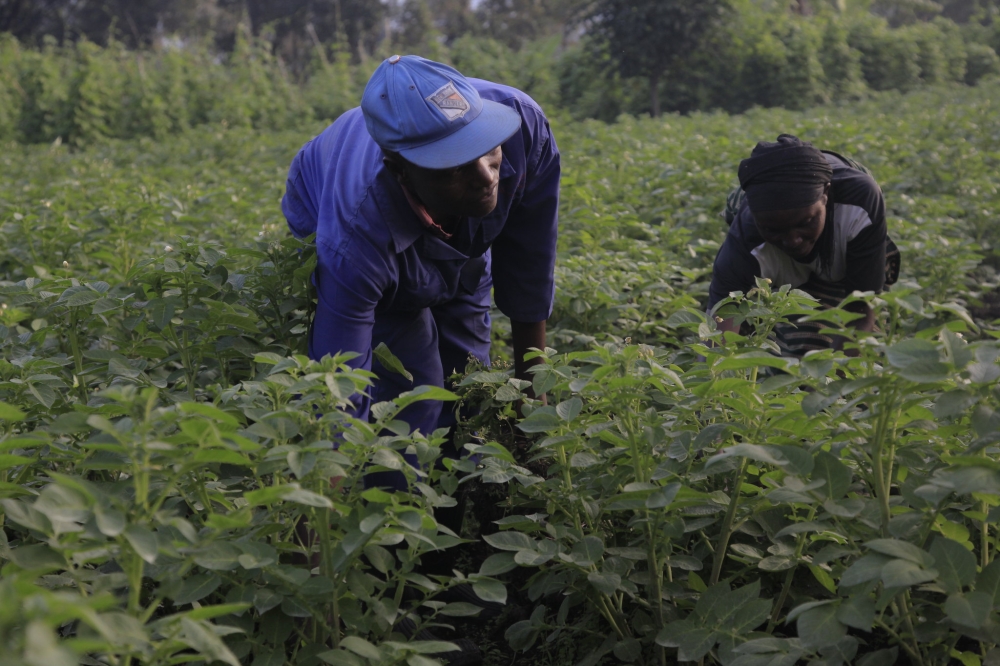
[{"x": 163, "y": 440}]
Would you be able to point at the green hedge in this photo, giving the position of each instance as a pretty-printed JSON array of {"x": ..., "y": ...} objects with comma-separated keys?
[{"x": 81, "y": 93}]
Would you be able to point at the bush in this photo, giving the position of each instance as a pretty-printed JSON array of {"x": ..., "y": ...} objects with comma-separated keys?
[
  {"x": 529, "y": 69},
  {"x": 890, "y": 60},
  {"x": 982, "y": 61},
  {"x": 841, "y": 63}
]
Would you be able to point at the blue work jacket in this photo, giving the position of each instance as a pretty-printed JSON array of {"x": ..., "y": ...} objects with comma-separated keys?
[{"x": 375, "y": 258}]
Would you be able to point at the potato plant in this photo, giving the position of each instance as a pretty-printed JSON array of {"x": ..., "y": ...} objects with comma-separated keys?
[{"x": 179, "y": 484}]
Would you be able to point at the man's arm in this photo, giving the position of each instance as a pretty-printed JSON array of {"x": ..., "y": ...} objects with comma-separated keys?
[
  {"x": 524, "y": 253},
  {"x": 345, "y": 310},
  {"x": 735, "y": 269}
]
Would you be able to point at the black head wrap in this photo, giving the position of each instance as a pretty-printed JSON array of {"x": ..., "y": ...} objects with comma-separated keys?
[{"x": 783, "y": 175}]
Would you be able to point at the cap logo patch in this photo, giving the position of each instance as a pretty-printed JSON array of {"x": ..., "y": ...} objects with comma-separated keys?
[{"x": 450, "y": 102}]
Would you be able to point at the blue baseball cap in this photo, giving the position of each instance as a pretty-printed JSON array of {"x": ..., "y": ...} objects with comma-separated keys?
[{"x": 431, "y": 115}]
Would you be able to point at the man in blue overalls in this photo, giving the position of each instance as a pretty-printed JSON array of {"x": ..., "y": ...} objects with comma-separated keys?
[{"x": 436, "y": 190}]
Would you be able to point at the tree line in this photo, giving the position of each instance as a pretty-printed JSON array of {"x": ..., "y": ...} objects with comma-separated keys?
[{"x": 265, "y": 64}]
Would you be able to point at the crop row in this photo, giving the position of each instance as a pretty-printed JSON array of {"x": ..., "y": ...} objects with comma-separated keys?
[{"x": 163, "y": 442}]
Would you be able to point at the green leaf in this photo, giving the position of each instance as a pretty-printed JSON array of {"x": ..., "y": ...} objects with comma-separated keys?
[
  {"x": 8, "y": 460},
  {"x": 588, "y": 551},
  {"x": 293, "y": 607},
  {"x": 307, "y": 497},
  {"x": 628, "y": 650},
  {"x": 27, "y": 515},
  {"x": 510, "y": 541},
  {"x": 161, "y": 311},
  {"x": 663, "y": 497},
  {"x": 204, "y": 641},
  {"x": 196, "y": 588},
  {"x": 692, "y": 642},
  {"x": 389, "y": 361},
  {"x": 696, "y": 644},
  {"x": 424, "y": 393},
  {"x": 569, "y": 409},
  {"x": 808, "y": 606},
  {"x": 819, "y": 627},
  {"x": 382, "y": 559},
  {"x": 864, "y": 569},
  {"x": 858, "y": 612},
  {"x": 886, "y": 657},
  {"x": 777, "y": 563},
  {"x": 954, "y": 402},
  {"x": 756, "y": 359},
  {"x": 797, "y": 460},
  {"x": 542, "y": 419},
  {"x": 205, "y": 456},
  {"x": 521, "y": 635},
  {"x": 103, "y": 305},
  {"x": 11, "y": 413},
  {"x": 361, "y": 647},
  {"x": 969, "y": 610},
  {"x": 490, "y": 590},
  {"x": 37, "y": 557},
  {"x": 111, "y": 522},
  {"x": 340, "y": 658},
  {"x": 143, "y": 541},
  {"x": 823, "y": 578},
  {"x": 431, "y": 647},
  {"x": 605, "y": 583},
  {"x": 82, "y": 297},
  {"x": 917, "y": 360},
  {"x": 828, "y": 467},
  {"x": 956, "y": 566},
  {"x": 498, "y": 563},
  {"x": 269, "y": 656},
  {"x": 901, "y": 549},
  {"x": 43, "y": 394},
  {"x": 507, "y": 393},
  {"x": 904, "y": 573},
  {"x": 988, "y": 581},
  {"x": 219, "y": 556}
]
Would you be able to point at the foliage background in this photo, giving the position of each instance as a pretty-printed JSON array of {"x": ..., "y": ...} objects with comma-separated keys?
[{"x": 272, "y": 71}]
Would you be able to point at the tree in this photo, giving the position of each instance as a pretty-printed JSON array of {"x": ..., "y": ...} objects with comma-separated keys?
[
  {"x": 417, "y": 33},
  {"x": 515, "y": 22},
  {"x": 646, "y": 37},
  {"x": 30, "y": 19},
  {"x": 453, "y": 18}
]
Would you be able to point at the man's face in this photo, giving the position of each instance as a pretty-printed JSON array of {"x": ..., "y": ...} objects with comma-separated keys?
[
  {"x": 794, "y": 231},
  {"x": 469, "y": 190}
]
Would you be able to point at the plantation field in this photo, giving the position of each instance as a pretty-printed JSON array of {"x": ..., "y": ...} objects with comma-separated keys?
[{"x": 163, "y": 440}]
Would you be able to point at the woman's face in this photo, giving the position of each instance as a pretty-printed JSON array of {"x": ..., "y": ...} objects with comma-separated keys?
[{"x": 794, "y": 231}]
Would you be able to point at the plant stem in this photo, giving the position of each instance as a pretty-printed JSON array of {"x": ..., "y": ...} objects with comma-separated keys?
[
  {"x": 905, "y": 612},
  {"x": 882, "y": 484},
  {"x": 787, "y": 585},
  {"x": 727, "y": 525},
  {"x": 896, "y": 637},
  {"x": 656, "y": 570}
]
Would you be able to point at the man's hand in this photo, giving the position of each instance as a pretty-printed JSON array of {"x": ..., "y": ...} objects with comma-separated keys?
[{"x": 525, "y": 336}]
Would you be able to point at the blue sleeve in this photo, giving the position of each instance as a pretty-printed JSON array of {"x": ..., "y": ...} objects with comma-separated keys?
[
  {"x": 348, "y": 286},
  {"x": 735, "y": 268},
  {"x": 298, "y": 204},
  {"x": 524, "y": 254}
]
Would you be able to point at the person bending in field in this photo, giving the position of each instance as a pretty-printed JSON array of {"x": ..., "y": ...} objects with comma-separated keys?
[
  {"x": 811, "y": 219},
  {"x": 437, "y": 190}
]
